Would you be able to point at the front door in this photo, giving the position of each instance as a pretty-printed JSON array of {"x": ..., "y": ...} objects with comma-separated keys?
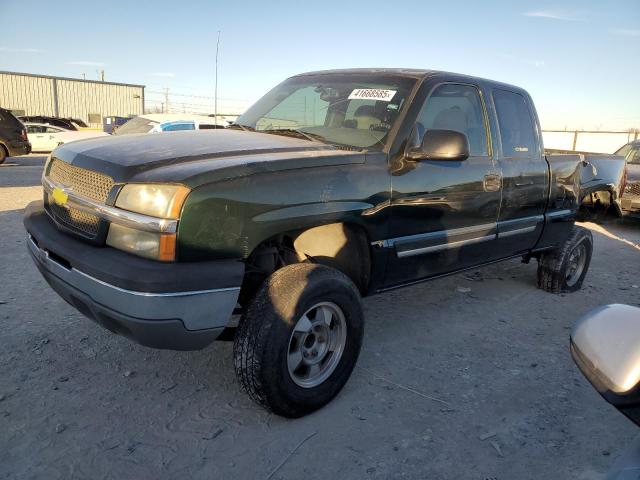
[
  {"x": 37, "y": 137},
  {"x": 444, "y": 213}
]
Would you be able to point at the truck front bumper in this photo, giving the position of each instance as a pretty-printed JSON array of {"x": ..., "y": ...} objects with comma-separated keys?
[{"x": 178, "y": 306}]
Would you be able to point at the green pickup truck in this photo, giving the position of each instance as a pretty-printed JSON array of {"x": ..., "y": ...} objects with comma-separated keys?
[{"x": 335, "y": 185}]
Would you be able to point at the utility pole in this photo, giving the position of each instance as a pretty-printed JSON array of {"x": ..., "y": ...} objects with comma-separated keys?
[
  {"x": 215, "y": 100},
  {"x": 166, "y": 99},
  {"x": 102, "y": 75}
]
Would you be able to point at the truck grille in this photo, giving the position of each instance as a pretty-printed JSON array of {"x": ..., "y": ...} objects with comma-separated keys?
[
  {"x": 93, "y": 185},
  {"x": 76, "y": 219},
  {"x": 87, "y": 183},
  {"x": 632, "y": 189}
]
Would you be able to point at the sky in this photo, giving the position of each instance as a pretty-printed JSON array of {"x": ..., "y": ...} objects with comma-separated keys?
[{"x": 578, "y": 59}]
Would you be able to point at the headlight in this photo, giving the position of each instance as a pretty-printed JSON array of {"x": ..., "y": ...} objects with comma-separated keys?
[
  {"x": 158, "y": 246},
  {"x": 164, "y": 201}
]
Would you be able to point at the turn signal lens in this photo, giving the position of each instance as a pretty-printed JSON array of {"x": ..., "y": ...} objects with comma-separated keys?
[{"x": 157, "y": 246}]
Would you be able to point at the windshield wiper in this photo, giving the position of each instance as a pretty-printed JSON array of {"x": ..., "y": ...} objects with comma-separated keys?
[
  {"x": 244, "y": 128},
  {"x": 297, "y": 133}
]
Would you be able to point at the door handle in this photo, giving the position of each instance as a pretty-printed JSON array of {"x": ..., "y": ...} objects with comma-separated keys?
[
  {"x": 524, "y": 184},
  {"x": 492, "y": 182}
]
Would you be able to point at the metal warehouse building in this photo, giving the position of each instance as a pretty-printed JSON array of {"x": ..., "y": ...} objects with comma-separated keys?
[{"x": 88, "y": 100}]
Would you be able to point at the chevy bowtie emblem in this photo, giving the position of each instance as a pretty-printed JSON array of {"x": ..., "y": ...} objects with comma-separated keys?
[{"x": 59, "y": 196}]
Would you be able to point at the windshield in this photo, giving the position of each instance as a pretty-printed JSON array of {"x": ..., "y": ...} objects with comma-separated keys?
[
  {"x": 624, "y": 150},
  {"x": 343, "y": 109},
  {"x": 136, "y": 125}
]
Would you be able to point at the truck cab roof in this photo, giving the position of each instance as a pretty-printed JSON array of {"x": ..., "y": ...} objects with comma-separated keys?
[{"x": 415, "y": 73}]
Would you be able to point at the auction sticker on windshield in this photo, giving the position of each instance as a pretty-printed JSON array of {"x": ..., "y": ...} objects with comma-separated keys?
[{"x": 372, "y": 94}]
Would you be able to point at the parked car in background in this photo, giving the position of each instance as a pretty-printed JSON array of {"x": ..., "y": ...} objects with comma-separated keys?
[
  {"x": 113, "y": 122},
  {"x": 631, "y": 195},
  {"x": 64, "y": 123},
  {"x": 44, "y": 138},
  {"x": 13, "y": 136},
  {"x": 167, "y": 122}
]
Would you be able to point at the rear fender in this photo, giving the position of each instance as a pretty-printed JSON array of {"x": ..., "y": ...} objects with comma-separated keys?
[{"x": 602, "y": 174}]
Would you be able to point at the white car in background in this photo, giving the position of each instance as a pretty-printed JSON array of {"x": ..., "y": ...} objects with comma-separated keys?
[
  {"x": 168, "y": 122},
  {"x": 44, "y": 138}
]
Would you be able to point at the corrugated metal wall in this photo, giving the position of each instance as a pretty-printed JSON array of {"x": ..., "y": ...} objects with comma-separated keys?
[{"x": 36, "y": 95}]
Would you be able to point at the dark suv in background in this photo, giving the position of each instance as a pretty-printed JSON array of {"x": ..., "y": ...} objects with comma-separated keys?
[{"x": 13, "y": 136}]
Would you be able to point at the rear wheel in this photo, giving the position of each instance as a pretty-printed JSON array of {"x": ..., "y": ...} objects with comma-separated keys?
[
  {"x": 299, "y": 340},
  {"x": 3, "y": 154},
  {"x": 564, "y": 269}
]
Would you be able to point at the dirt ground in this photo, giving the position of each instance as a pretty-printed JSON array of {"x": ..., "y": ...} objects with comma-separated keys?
[{"x": 468, "y": 377}]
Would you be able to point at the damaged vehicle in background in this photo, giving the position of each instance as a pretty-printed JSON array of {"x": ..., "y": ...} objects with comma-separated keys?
[
  {"x": 602, "y": 184},
  {"x": 335, "y": 185}
]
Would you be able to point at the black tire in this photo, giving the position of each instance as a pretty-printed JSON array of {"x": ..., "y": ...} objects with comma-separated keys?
[
  {"x": 3, "y": 154},
  {"x": 262, "y": 342},
  {"x": 555, "y": 267}
]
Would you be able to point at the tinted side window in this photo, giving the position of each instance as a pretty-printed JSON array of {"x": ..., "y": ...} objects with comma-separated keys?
[
  {"x": 174, "y": 127},
  {"x": 457, "y": 107},
  {"x": 515, "y": 123}
]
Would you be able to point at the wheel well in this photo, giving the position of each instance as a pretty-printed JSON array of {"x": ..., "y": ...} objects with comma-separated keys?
[
  {"x": 342, "y": 246},
  {"x": 600, "y": 200}
]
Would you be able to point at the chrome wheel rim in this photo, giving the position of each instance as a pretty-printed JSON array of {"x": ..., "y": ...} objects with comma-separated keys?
[
  {"x": 316, "y": 344},
  {"x": 575, "y": 264}
]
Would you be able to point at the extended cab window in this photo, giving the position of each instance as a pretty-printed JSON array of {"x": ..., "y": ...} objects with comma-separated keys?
[
  {"x": 457, "y": 107},
  {"x": 515, "y": 123}
]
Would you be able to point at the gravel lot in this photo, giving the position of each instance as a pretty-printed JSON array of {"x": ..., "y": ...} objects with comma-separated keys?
[{"x": 468, "y": 377}]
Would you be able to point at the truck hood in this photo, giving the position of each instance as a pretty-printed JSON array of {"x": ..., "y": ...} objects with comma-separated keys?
[{"x": 195, "y": 158}]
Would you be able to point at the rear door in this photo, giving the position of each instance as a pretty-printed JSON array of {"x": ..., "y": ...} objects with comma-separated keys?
[
  {"x": 36, "y": 135},
  {"x": 444, "y": 213},
  {"x": 524, "y": 172}
]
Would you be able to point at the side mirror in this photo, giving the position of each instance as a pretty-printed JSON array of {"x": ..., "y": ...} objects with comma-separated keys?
[
  {"x": 605, "y": 344},
  {"x": 441, "y": 145}
]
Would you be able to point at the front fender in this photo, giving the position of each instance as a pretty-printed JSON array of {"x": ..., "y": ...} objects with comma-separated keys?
[{"x": 228, "y": 219}]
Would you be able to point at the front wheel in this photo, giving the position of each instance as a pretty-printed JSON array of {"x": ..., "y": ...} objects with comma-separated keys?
[
  {"x": 564, "y": 269},
  {"x": 299, "y": 340}
]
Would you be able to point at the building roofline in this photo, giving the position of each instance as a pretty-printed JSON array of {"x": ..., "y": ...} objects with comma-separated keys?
[{"x": 2, "y": 72}]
